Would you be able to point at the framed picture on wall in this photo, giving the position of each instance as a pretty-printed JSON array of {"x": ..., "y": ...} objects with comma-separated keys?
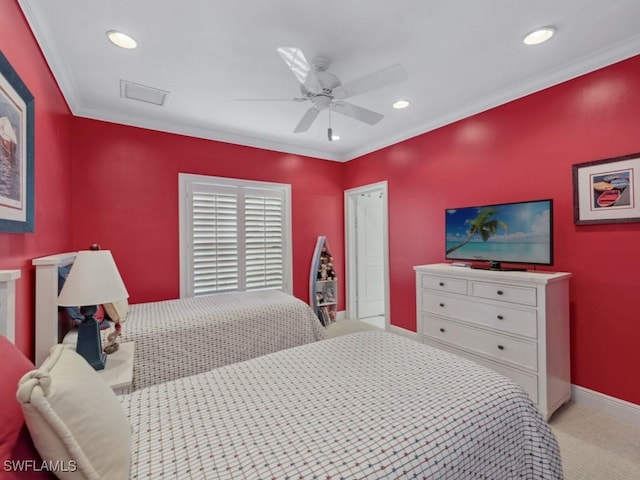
[
  {"x": 607, "y": 191},
  {"x": 16, "y": 152}
]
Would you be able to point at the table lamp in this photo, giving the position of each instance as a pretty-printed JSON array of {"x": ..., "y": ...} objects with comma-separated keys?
[{"x": 93, "y": 280}]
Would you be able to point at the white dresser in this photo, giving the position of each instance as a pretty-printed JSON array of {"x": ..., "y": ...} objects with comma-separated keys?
[{"x": 516, "y": 323}]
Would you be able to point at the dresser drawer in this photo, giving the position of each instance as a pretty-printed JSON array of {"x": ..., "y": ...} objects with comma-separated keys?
[
  {"x": 504, "y": 293},
  {"x": 444, "y": 284},
  {"x": 528, "y": 381},
  {"x": 494, "y": 345},
  {"x": 500, "y": 317}
]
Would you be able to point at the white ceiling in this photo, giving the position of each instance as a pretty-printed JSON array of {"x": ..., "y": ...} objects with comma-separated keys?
[{"x": 461, "y": 57}]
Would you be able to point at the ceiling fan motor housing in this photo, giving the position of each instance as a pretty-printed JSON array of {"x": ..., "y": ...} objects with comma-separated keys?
[
  {"x": 323, "y": 88},
  {"x": 328, "y": 81},
  {"x": 320, "y": 63}
]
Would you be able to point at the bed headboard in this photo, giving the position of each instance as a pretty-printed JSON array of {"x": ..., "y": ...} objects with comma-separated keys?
[
  {"x": 48, "y": 329},
  {"x": 8, "y": 303}
]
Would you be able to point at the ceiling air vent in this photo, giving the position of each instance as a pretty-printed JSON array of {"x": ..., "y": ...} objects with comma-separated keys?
[{"x": 142, "y": 93}]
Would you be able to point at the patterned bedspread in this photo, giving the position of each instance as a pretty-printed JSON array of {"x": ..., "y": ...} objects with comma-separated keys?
[
  {"x": 362, "y": 406},
  {"x": 177, "y": 338}
]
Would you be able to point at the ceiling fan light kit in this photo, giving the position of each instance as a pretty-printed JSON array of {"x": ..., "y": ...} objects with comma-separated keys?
[{"x": 326, "y": 92}]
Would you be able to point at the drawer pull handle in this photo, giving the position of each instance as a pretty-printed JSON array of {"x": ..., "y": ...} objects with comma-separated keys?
[
  {"x": 500, "y": 347},
  {"x": 500, "y": 317},
  {"x": 441, "y": 284},
  {"x": 500, "y": 292},
  {"x": 442, "y": 330},
  {"x": 442, "y": 304}
]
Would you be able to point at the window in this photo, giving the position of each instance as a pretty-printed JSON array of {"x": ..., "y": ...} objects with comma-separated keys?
[{"x": 235, "y": 235}]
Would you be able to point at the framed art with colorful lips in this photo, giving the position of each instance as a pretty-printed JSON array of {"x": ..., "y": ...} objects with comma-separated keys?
[{"x": 607, "y": 191}]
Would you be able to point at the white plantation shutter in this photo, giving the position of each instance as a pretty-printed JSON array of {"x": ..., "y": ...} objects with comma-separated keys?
[
  {"x": 215, "y": 242},
  {"x": 264, "y": 242},
  {"x": 235, "y": 235}
]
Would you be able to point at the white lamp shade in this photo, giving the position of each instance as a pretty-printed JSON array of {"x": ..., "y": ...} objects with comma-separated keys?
[{"x": 93, "y": 280}]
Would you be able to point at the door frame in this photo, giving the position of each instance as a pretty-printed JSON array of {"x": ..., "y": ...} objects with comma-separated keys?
[{"x": 350, "y": 197}]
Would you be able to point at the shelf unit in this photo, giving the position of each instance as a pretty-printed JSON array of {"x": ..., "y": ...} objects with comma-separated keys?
[{"x": 323, "y": 284}]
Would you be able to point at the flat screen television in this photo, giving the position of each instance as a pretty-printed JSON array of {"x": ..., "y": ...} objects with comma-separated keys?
[{"x": 520, "y": 232}]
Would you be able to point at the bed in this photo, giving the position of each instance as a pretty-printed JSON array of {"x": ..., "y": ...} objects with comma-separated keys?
[
  {"x": 177, "y": 338},
  {"x": 362, "y": 406},
  {"x": 8, "y": 280},
  {"x": 16, "y": 447}
]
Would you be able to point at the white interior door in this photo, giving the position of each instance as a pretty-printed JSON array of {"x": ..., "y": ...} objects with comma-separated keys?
[{"x": 370, "y": 255}]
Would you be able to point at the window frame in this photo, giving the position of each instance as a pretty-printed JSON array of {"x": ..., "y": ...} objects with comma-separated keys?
[{"x": 186, "y": 184}]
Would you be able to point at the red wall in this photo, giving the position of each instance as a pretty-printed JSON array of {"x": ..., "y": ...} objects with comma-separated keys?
[
  {"x": 522, "y": 151},
  {"x": 126, "y": 199},
  {"x": 52, "y": 168},
  {"x": 120, "y": 189}
]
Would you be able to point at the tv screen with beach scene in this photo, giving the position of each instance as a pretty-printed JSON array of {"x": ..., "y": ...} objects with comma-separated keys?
[{"x": 519, "y": 232}]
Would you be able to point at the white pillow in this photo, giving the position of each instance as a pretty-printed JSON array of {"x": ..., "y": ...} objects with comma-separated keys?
[{"x": 74, "y": 417}]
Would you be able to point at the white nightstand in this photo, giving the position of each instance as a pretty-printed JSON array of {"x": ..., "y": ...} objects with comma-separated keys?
[{"x": 118, "y": 370}]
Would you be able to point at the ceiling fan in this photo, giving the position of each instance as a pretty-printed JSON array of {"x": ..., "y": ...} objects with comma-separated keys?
[{"x": 325, "y": 90}]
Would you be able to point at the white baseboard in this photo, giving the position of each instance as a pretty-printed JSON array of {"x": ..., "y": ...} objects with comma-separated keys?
[
  {"x": 614, "y": 407},
  {"x": 402, "y": 331},
  {"x": 341, "y": 315}
]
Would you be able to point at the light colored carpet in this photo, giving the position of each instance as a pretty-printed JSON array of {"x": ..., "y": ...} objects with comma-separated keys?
[
  {"x": 593, "y": 446},
  {"x": 342, "y": 327}
]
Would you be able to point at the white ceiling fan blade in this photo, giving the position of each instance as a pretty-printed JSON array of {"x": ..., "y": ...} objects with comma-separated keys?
[
  {"x": 307, "y": 120},
  {"x": 301, "y": 68},
  {"x": 297, "y": 99},
  {"x": 373, "y": 81},
  {"x": 358, "y": 113}
]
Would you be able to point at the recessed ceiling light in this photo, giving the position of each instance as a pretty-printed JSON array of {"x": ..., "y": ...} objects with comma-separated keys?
[
  {"x": 401, "y": 104},
  {"x": 335, "y": 137},
  {"x": 539, "y": 36},
  {"x": 121, "y": 40}
]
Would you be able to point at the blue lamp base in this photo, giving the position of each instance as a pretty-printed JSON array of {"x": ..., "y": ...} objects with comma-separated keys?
[{"x": 89, "y": 342}]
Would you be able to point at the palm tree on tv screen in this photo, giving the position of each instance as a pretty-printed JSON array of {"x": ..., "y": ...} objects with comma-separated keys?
[{"x": 483, "y": 225}]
